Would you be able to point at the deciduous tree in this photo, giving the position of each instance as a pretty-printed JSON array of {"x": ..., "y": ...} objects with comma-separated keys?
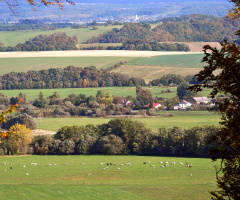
[{"x": 226, "y": 141}]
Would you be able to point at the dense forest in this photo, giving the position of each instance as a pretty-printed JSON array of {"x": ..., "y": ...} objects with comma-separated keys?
[
  {"x": 56, "y": 41},
  {"x": 192, "y": 28},
  {"x": 70, "y": 77}
]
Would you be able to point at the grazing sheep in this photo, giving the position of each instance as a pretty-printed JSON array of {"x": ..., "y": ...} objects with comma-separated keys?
[
  {"x": 23, "y": 165},
  {"x": 10, "y": 167},
  {"x": 118, "y": 168},
  {"x": 114, "y": 163},
  {"x": 121, "y": 164},
  {"x": 107, "y": 164},
  {"x": 148, "y": 161},
  {"x": 173, "y": 163},
  {"x": 163, "y": 165},
  {"x": 190, "y": 174},
  {"x": 83, "y": 163},
  {"x": 66, "y": 163},
  {"x": 27, "y": 174},
  {"x": 32, "y": 163},
  {"x": 101, "y": 163},
  {"x": 106, "y": 167},
  {"x": 144, "y": 163},
  {"x": 153, "y": 166},
  {"x": 190, "y": 166},
  {"x": 161, "y": 162},
  {"x": 55, "y": 164},
  {"x": 167, "y": 162},
  {"x": 20, "y": 163},
  {"x": 49, "y": 164},
  {"x": 181, "y": 163},
  {"x": 35, "y": 163},
  {"x": 89, "y": 174},
  {"x": 4, "y": 163},
  {"x": 5, "y": 170},
  {"x": 129, "y": 164},
  {"x": 110, "y": 163}
]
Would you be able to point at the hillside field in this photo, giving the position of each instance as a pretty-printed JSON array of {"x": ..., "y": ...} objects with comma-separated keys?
[
  {"x": 8, "y": 65},
  {"x": 146, "y": 65},
  {"x": 182, "y": 119},
  {"x": 158, "y": 66},
  {"x": 6, "y": 37},
  {"x": 76, "y": 180}
]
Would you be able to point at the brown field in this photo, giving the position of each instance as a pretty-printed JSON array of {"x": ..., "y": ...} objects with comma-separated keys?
[
  {"x": 198, "y": 46},
  {"x": 153, "y": 72},
  {"x": 90, "y": 53}
]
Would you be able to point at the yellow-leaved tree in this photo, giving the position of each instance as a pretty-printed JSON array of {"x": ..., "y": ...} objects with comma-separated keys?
[{"x": 19, "y": 139}]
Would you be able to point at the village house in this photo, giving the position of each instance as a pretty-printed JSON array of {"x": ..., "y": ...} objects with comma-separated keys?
[
  {"x": 182, "y": 105},
  {"x": 201, "y": 100}
]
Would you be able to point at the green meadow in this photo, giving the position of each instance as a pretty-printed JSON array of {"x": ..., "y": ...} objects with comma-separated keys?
[
  {"x": 182, "y": 119},
  {"x": 186, "y": 61},
  {"x": 83, "y": 177},
  {"x": 6, "y": 37},
  {"x": 8, "y": 65},
  {"x": 31, "y": 94}
]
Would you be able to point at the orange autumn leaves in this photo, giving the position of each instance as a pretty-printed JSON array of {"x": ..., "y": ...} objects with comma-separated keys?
[
  {"x": 34, "y": 3},
  {"x": 10, "y": 110}
]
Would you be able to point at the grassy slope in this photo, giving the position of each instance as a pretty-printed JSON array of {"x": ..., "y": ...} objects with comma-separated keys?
[
  {"x": 157, "y": 66},
  {"x": 137, "y": 181},
  {"x": 183, "y": 119},
  {"x": 25, "y": 64},
  {"x": 6, "y": 37}
]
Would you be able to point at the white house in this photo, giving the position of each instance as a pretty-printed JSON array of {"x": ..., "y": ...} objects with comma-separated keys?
[{"x": 182, "y": 105}]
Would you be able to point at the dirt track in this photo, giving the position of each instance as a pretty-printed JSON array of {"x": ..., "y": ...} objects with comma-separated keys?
[{"x": 90, "y": 53}]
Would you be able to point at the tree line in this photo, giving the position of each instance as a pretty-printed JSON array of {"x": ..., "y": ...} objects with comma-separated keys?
[
  {"x": 118, "y": 136},
  {"x": 70, "y": 77},
  {"x": 140, "y": 46}
]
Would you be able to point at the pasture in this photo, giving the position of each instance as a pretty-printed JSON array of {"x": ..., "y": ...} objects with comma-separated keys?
[
  {"x": 82, "y": 34},
  {"x": 76, "y": 180},
  {"x": 182, "y": 119}
]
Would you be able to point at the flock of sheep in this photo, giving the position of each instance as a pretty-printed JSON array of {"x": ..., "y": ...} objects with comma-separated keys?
[{"x": 162, "y": 164}]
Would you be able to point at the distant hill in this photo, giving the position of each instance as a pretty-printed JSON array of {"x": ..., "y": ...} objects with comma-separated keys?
[{"x": 190, "y": 28}]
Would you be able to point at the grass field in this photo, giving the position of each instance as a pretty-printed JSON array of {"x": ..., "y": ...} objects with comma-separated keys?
[
  {"x": 73, "y": 181},
  {"x": 158, "y": 66},
  {"x": 31, "y": 94},
  {"x": 183, "y": 119},
  {"x": 8, "y": 65},
  {"x": 6, "y": 37}
]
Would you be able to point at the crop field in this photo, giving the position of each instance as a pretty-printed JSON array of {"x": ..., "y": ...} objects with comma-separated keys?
[
  {"x": 182, "y": 119},
  {"x": 82, "y": 34},
  {"x": 83, "y": 177},
  {"x": 158, "y": 66},
  {"x": 8, "y": 65},
  {"x": 178, "y": 61}
]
